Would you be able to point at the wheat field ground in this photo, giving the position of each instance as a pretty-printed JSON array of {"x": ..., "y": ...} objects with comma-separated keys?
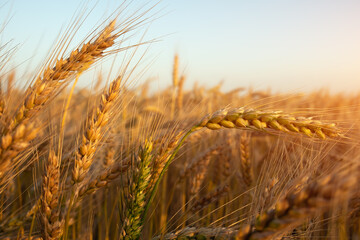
[{"x": 121, "y": 161}]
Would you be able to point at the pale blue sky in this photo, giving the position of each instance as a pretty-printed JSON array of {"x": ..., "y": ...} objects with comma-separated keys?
[{"x": 285, "y": 45}]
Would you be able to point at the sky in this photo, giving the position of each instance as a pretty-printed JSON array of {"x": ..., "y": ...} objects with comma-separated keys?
[{"x": 284, "y": 45}]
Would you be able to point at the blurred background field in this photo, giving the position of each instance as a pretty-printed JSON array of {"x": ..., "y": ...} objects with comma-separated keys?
[{"x": 202, "y": 120}]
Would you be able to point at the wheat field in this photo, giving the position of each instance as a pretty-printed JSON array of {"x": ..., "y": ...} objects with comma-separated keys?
[{"x": 123, "y": 162}]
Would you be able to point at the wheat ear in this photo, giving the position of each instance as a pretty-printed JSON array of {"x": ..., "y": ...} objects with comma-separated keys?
[
  {"x": 103, "y": 179},
  {"x": 180, "y": 93},
  {"x": 162, "y": 156},
  {"x": 85, "y": 153},
  {"x": 50, "y": 81},
  {"x": 175, "y": 75},
  {"x": 132, "y": 225},
  {"x": 109, "y": 159},
  {"x": 175, "y": 79},
  {"x": 245, "y": 161},
  {"x": 52, "y": 227},
  {"x": 12, "y": 144},
  {"x": 259, "y": 120}
]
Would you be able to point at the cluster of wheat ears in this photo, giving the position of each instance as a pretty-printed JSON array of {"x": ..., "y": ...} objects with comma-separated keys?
[{"x": 134, "y": 165}]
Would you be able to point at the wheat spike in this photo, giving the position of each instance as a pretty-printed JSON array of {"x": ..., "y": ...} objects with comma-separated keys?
[
  {"x": 50, "y": 81},
  {"x": 109, "y": 152},
  {"x": 180, "y": 93},
  {"x": 245, "y": 161},
  {"x": 162, "y": 155},
  {"x": 102, "y": 179},
  {"x": 175, "y": 77},
  {"x": 132, "y": 225},
  {"x": 93, "y": 132},
  {"x": 259, "y": 120},
  {"x": 52, "y": 227},
  {"x": 224, "y": 160},
  {"x": 13, "y": 143},
  {"x": 199, "y": 168}
]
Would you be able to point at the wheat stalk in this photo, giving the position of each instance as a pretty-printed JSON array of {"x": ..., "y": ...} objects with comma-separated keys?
[{"x": 2, "y": 99}]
